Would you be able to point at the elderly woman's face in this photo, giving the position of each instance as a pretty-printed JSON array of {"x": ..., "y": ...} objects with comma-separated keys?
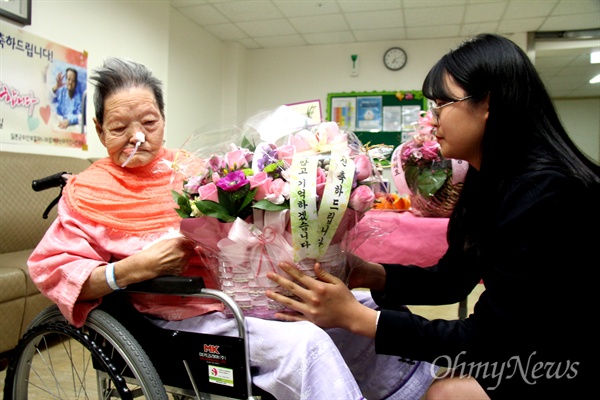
[{"x": 126, "y": 112}]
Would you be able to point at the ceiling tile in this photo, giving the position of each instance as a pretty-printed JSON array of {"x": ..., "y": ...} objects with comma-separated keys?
[
  {"x": 426, "y": 32},
  {"x": 238, "y": 11},
  {"x": 373, "y": 35},
  {"x": 320, "y": 23},
  {"x": 572, "y": 22},
  {"x": 370, "y": 5},
  {"x": 329, "y": 37},
  {"x": 484, "y": 12},
  {"x": 185, "y": 3},
  {"x": 204, "y": 15},
  {"x": 529, "y": 9},
  {"x": 297, "y": 8},
  {"x": 257, "y": 24},
  {"x": 226, "y": 32},
  {"x": 272, "y": 27},
  {"x": 432, "y": 3},
  {"x": 568, "y": 7},
  {"x": 281, "y": 41},
  {"x": 429, "y": 17},
  {"x": 379, "y": 19},
  {"x": 520, "y": 25},
  {"x": 481, "y": 27}
]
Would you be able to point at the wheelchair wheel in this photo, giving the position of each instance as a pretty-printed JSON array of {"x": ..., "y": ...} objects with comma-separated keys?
[{"x": 100, "y": 360}]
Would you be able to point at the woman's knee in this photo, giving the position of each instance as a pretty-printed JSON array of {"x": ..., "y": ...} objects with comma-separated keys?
[{"x": 455, "y": 388}]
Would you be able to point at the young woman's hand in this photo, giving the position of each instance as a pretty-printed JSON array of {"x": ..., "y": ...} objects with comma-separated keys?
[
  {"x": 365, "y": 274},
  {"x": 326, "y": 301}
]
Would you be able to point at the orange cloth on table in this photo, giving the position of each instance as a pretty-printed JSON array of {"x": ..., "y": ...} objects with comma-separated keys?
[{"x": 125, "y": 199}]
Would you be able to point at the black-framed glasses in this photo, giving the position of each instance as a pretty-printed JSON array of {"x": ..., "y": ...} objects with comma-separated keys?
[{"x": 435, "y": 109}]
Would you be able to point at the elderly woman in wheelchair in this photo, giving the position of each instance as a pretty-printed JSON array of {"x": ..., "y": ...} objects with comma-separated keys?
[{"x": 112, "y": 233}]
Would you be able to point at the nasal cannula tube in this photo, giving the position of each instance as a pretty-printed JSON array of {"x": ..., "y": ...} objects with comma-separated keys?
[{"x": 140, "y": 138}]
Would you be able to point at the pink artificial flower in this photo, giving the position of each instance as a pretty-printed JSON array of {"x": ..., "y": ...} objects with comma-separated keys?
[
  {"x": 209, "y": 192},
  {"x": 363, "y": 167},
  {"x": 429, "y": 149},
  {"x": 329, "y": 133},
  {"x": 425, "y": 124},
  {"x": 407, "y": 151},
  {"x": 321, "y": 181},
  {"x": 192, "y": 185},
  {"x": 304, "y": 140},
  {"x": 278, "y": 191},
  {"x": 286, "y": 153},
  {"x": 236, "y": 159},
  {"x": 362, "y": 198},
  {"x": 326, "y": 133},
  {"x": 261, "y": 181},
  {"x": 246, "y": 152},
  {"x": 216, "y": 163}
]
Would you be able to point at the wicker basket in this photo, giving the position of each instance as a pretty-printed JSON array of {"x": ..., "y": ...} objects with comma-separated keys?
[{"x": 439, "y": 205}]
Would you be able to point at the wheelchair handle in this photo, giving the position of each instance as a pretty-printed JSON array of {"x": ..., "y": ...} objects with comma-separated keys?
[
  {"x": 57, "y": 180},
  {"x": 48, "y": 182}
]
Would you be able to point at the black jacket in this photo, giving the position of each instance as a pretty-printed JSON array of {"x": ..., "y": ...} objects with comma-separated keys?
[{"x": 534, "y": 321}]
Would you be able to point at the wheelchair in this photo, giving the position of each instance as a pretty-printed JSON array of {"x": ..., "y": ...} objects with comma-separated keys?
[{"x": 118, "y": 353}]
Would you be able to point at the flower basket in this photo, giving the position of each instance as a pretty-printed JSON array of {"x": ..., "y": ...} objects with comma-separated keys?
[
  {"x": 295, "y": 198},
  {"x": 432, "y": 182},
  {"x": 439, "y": 205}
]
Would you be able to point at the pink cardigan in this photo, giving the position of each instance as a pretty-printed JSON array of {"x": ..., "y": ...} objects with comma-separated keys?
[{"x": 73, "y": 246}]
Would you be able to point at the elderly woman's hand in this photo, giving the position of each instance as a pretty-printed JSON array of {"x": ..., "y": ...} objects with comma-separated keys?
[
  {"x": 169, "y": 256},
  {"x": 165, "y": 257}
]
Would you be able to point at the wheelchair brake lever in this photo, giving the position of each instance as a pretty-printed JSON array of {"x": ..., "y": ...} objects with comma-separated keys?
[{"x": 51, "y": 205}]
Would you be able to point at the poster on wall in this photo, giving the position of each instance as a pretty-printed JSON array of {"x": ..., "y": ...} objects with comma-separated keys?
[
  {"x": 310, "y": 108},
  {"x": 369, "y": 113},
  {"x": 344, "y": 112},
  {"x": 43, "y": 89}
]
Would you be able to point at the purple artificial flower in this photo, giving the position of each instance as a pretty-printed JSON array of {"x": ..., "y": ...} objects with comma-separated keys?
[{"x": 233, "y": 181}]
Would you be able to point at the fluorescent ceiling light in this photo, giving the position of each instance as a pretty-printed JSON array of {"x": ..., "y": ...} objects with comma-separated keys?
[
  {"x": 595, "y": 57},
  {"x": 595, "y": 79}
]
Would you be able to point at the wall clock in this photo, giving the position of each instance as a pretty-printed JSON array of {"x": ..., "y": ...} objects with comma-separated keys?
[{"x": 394, "y": 58}]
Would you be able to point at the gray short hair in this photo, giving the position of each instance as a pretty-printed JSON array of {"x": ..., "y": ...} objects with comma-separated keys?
[{"x": 116, "y": 74}]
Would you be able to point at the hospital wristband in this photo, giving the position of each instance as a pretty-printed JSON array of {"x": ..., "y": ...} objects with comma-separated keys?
[{"x": 110, "y": 277}]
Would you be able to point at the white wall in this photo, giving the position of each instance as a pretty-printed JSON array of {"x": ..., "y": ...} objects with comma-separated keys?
[
  {"x": 195, "y": 77},
  {"x": 581, "y": 119},
  {"x": 211, "y": 85},
  {"x": 281, "y": 76}
]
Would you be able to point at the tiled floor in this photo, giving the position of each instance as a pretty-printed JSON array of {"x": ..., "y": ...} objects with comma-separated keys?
[{"x": 444, "y": 312}]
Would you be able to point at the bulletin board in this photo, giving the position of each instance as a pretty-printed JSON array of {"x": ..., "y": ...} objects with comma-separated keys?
[{"x": 377, "y": 117}]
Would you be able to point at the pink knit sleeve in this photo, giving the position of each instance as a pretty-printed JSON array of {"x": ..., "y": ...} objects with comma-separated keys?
[{"x": 63, "y": 261}]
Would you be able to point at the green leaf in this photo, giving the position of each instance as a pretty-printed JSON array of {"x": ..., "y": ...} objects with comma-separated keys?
[
  {"x": 246, "y": 144},
  {"x": 248, "y": 199},
  {"x": 429, "y": 183},
  {"x": 268, "y": 206},
  {"x": 226, "y": 201},
  {"x": 215, "y": 210},
  {"x": 411, "y": 175},
  {"x": 184, "y": 210}
]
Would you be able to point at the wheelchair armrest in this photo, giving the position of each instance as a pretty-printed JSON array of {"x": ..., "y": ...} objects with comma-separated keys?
[{"x": 169, "y": 285}]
